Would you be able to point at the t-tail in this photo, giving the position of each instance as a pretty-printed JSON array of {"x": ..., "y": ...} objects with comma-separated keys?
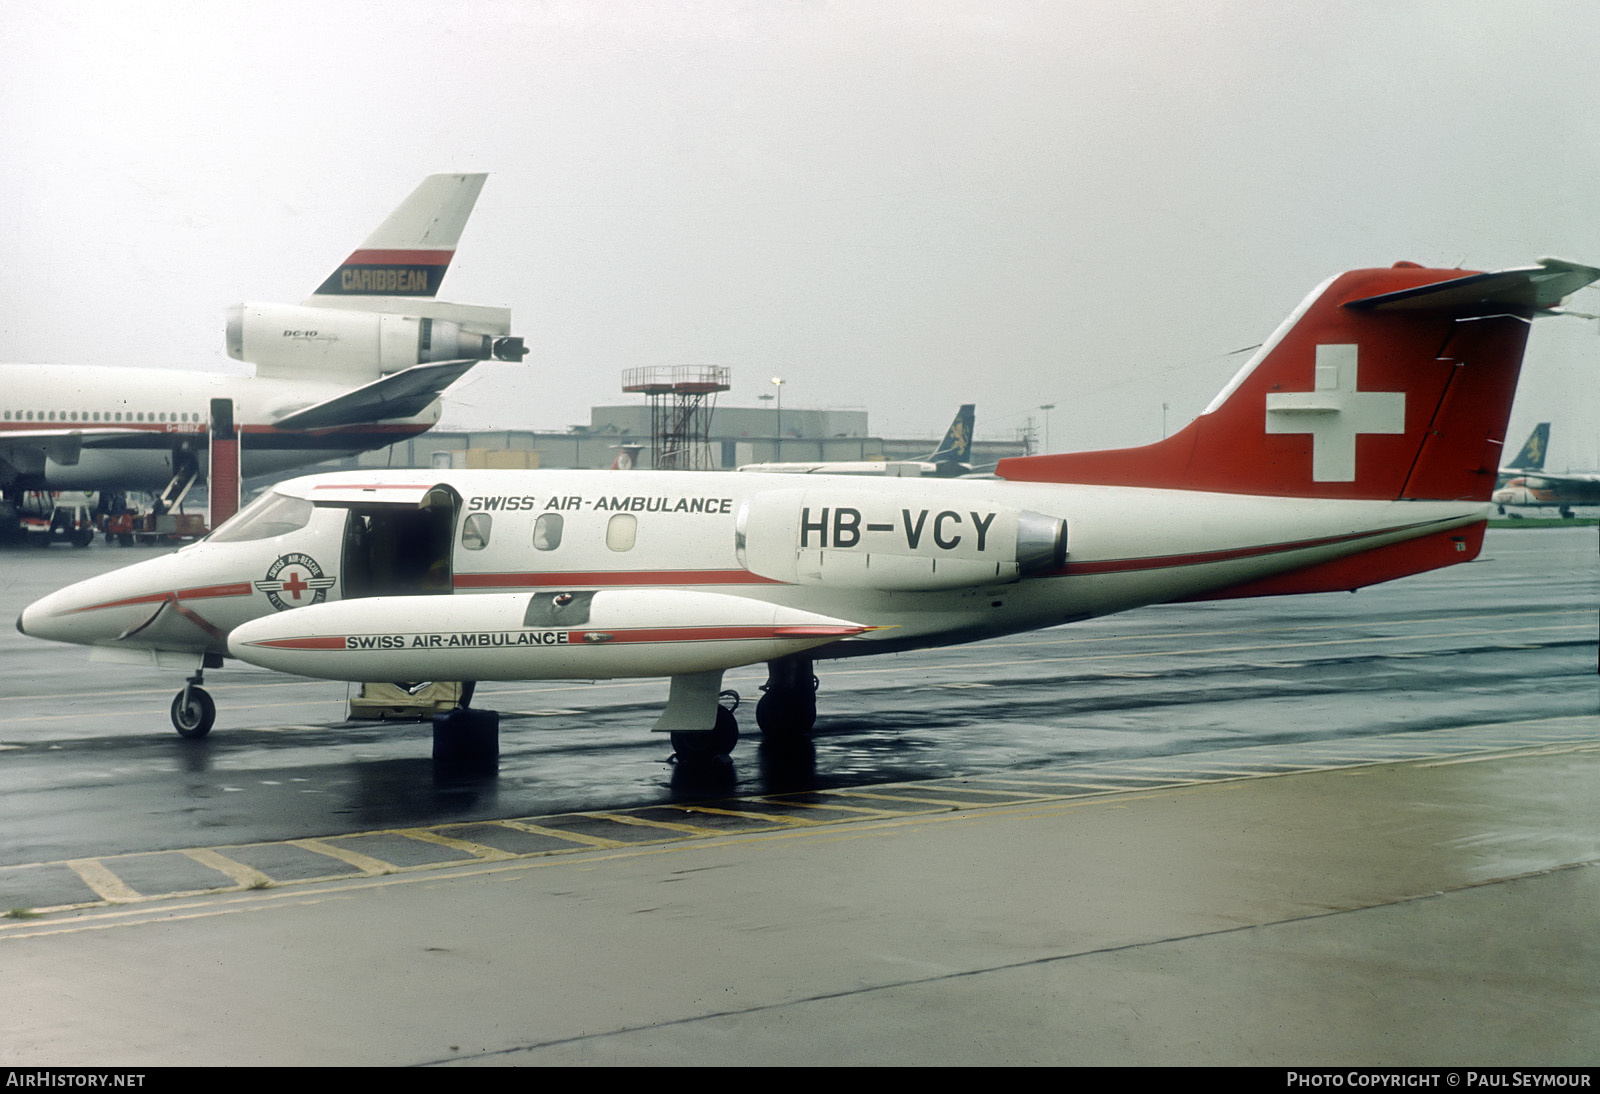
[{"x": 1385, "y": 384}]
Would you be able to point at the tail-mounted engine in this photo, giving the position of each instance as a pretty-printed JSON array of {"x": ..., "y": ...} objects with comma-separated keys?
[
  {"x": 844, "y": 539},
  {"x": 285, "y": 338}
]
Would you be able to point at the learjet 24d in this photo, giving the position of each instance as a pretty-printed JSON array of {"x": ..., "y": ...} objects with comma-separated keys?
[{"x": 1360, "y": 444}]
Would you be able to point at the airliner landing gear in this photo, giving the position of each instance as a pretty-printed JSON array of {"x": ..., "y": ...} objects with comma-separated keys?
[
  {"x": 718, "y": 741},
  {"x": 193, "y": 711},
  {"x": 788, "y": 709}
]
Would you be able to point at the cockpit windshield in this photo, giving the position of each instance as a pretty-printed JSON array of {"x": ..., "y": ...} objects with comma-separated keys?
[{"x": 272, "y": 514}]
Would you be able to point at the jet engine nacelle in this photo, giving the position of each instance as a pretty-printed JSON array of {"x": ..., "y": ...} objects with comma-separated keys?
[
  {"x": 295, "y": 339},
  {"x": 893, "y": 541}
]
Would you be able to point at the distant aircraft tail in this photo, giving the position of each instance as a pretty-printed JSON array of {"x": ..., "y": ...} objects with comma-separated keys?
[
  {"x": 1531, "y": 458},
  {"x": 954, "y": 453},
  {"x": 1384, "y": 384},
  {"x": 410, "y": 252}
]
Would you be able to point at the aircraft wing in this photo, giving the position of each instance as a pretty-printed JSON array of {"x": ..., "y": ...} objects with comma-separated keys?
[
  {"x": 63, "y": 445},
  {"x": 1566, "y": 478},
  {"x": 398, "y": 395}
]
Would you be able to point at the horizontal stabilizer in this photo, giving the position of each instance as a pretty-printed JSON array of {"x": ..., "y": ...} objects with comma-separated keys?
[
  {"x": 398, "y": 395},
  {"x": 1527, "y": 287}
]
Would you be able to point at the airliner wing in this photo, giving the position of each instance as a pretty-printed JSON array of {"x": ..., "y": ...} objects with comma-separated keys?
[
  {"x": 63, "y": 445},
  {"x": 1539, "y": 478},
  {"x": 398, "y": 395}
]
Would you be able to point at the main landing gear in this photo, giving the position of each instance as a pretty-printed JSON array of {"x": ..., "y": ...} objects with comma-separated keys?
[
  {"x": 788, "y": 709},
  {"x": 718, "y": 741},
  {"x": 193, "y": 710}
]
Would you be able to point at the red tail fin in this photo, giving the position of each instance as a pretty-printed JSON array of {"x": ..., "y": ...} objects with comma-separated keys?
[{"x": 1393, "y": 383}]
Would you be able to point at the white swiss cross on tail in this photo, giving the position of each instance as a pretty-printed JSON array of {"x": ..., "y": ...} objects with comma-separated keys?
[{"x": 1335, "y": 413}]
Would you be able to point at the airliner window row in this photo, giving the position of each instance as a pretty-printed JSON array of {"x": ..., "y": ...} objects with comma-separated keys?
[{"x": 101, "y": 416}]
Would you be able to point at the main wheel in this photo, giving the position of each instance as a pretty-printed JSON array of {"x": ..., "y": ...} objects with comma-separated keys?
[
  {"x": 193, "y": 712},
  {"x": 786, "y": 714},
  {"x": 717, "y": 741}
]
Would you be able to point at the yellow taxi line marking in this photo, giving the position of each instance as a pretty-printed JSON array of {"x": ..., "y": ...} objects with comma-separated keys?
[
  {"x": 1547, "y": 750},
  {"x": 113, "y": 891}
]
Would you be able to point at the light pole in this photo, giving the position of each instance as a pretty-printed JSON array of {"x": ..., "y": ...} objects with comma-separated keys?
[
  {"x": 1047, "y": 408},
  {"x": 778, "y": 383}
]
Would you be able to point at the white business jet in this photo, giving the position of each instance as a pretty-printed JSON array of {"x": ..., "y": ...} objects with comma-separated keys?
[{"x": 1359, "y": 444}]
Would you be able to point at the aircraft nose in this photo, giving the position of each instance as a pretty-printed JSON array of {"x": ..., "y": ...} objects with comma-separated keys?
[
  {"x": 102, "y": 609},
  {"x": 50, "y": 618}
]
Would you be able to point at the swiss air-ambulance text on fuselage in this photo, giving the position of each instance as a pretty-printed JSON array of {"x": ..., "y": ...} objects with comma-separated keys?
[{"x": 605, "y": 503}]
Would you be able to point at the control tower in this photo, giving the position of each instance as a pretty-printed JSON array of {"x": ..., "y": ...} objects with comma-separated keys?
[{"x": 682, "y": 398}]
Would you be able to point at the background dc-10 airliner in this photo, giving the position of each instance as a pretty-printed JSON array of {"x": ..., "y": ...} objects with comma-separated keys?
[
  {"x": 1358, "y": 445},
  {"x": 358, "y": 365}
]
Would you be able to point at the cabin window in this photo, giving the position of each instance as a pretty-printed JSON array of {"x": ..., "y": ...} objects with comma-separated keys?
[
  {"x": 475, "y": 531},
  {"x": 621, "y": 531},
  {"x": 547, "y": 532},
  {"x": 269, "y": 515}
]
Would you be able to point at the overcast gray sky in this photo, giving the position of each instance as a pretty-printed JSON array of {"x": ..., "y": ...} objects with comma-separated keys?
[{"x": 899, "y": 206}]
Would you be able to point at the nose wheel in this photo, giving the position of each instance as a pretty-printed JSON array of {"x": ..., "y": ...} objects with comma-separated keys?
[{"x": 193, "y": 710}]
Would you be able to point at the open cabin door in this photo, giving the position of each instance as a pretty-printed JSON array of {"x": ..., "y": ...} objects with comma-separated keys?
[{"x": 400, "y": 547}]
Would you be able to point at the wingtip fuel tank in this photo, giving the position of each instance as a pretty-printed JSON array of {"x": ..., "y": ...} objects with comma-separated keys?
[{"x": 549, "y": 635}]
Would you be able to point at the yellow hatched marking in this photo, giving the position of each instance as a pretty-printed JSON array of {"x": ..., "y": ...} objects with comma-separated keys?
[
  {"x": 476, "y": 850},
  {"x": 237, "y": 872},
  {"x": 862, "y": 809},
  {"x": 952, "y": 803},
  {"x": 668, "y": 826},
  {"x": 773, "y": 818},
  {"x": 582, "y": 839},
  {"x": 106, "y": 885},
  {"x": 365, "y": 863}
]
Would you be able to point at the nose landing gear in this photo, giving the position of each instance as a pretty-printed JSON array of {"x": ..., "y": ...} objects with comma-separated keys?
[{"x": 193, "y": 710}]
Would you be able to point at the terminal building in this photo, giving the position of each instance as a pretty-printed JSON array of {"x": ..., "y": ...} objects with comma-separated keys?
[{"x": 736, "y": 436}]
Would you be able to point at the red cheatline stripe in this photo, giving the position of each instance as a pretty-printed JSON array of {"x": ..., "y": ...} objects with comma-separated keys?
[
  {"x": 580, "y": 638},
  {"x": 319, "y": 643},
  {"x": 399, "y": 258},
  {"x": 198, "y": 620},
  {"x": 566, "y": 578},
  {"x": 204, "y": 593},
  {"x": 1162, "y": 562},
  {"x": 707, "y": 634}
]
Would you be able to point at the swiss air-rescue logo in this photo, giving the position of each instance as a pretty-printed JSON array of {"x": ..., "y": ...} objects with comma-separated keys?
[{"x": 294, "y": 581}]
